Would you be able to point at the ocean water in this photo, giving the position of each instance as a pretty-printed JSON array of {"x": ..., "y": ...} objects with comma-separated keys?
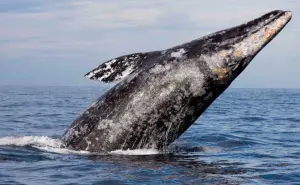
[{"x": 247, "y": 136}]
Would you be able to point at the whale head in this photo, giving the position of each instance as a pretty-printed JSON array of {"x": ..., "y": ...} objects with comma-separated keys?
[{"x": 228, "y": 52}]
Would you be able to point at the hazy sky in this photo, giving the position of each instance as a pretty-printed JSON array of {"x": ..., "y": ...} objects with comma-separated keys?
[{"x": 55, "y": 42}]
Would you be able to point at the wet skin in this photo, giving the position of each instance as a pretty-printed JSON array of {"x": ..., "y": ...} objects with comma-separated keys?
[{"x": 163, "y": 93}]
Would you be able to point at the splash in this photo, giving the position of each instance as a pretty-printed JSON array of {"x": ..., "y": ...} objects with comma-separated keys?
[
  {"x": 63, "y": 150},
  {"x": 52, "y": 145},
  {"x": 42, "y": 141},
  {"x": 136, "y": 152}
]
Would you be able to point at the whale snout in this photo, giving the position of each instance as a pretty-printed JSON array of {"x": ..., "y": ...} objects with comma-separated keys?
[
  {"x": 289, "y": 14},
  {"x": 261, "y": 32},
  {"x": 280, "y": 13},
  {"x": 237, "y": 46},
  {"x": 275, "y": 25}
]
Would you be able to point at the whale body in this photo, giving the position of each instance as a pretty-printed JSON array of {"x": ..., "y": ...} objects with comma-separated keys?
[{"x": 162, "y": 93}]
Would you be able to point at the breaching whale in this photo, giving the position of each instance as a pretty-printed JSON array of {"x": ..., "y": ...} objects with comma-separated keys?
[{"x": 162, "y": 93}]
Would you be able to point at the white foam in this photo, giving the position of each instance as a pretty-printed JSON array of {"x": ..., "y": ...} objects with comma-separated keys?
[
  {"x": 48, "y": 144},
  {"x": 136, "y": 152},
  {"x": 31, "y": 140},
  {"x": 40, "y": 142},
  {"x": 62, "y": 150}
]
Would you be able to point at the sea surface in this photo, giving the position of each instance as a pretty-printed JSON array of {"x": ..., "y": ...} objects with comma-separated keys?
[{"x": 247, "y": 136}]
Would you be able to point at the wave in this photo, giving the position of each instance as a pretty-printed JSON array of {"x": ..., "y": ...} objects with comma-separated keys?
[
  {"x": 63, "y": 150},
  {"x": 43, "y": 143},
  {"x": 52, "y": 145},
  {"x": 136, "y": 152}
]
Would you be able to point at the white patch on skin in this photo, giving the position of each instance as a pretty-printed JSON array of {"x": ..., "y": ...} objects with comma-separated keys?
[
  {"x": 76, "y": 133},
  {"x": 104, "y": 124},
  {"x": 213, "y": 61},
  {"x": 167, "y": 90},
  {"x": 111, "y": 138},
  {"x": 112, "y": 128},
  {"x": 125, "y": 73},
  {"x": 88, "y": 143},
  {"x": 160, "y": 68},
  {"x": 178, "y": 54},
  {"x": 138, "y": 96},
  {"x": 128, "y": 63},
  {"x": 90, "y": 75},
  {"x": 108, "y": 67},
  {"x": 131, "y": 77}
]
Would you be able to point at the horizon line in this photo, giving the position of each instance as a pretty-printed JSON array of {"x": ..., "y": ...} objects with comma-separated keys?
[{"x": 112, "y": 84}]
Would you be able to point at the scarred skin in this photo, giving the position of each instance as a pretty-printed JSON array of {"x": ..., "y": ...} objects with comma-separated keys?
[{"x": 165, "y": 92}]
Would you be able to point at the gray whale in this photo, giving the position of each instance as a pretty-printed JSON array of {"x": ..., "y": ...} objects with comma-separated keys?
[{"x": 162, "y": 93}]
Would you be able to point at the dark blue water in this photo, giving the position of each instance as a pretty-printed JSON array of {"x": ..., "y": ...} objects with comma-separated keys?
[{"x": 248, "y": 136}]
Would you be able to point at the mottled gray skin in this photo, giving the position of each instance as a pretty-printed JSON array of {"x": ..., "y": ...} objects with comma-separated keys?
[{"x": 168, "y": 90}]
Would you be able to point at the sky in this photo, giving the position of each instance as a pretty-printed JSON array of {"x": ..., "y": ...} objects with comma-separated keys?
[{"x": 54, "y": 42}]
